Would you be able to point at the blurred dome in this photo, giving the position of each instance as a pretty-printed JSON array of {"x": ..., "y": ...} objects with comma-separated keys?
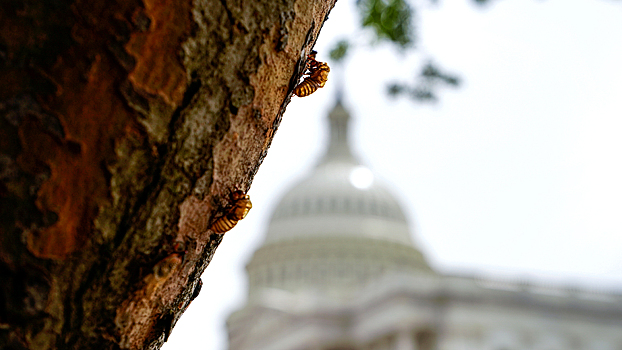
[
  {"x": 339, "y": 226},
  {"x": 341, "y": 198}
]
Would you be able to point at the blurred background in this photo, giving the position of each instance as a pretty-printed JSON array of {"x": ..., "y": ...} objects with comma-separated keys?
[{"x": 506, "y": 158}]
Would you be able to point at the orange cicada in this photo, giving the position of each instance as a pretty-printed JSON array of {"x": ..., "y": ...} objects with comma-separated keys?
[{"x": 316, "y": 74}]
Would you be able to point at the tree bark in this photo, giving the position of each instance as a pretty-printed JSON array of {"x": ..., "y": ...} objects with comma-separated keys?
[{"x": 124, "y": 128}]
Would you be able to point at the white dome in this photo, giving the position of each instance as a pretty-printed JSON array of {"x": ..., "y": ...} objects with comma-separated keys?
[
  {"x": 339, "y": 226},
  {"x": 341, "y": 198},
  {"x": 328, "y": 203}
]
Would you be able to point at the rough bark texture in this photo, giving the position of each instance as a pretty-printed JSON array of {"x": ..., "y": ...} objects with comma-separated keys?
[{"x": 124, "y": 127}]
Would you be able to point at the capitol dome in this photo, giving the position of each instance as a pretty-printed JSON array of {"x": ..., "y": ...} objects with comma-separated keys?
[
  {"x": 341, "y": 198},
  {"x": 338, "y": 270},
  {"x": 338, "y": 227}
]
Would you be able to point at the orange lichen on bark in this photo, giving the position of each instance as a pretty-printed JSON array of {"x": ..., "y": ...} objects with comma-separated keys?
[
  {"x": 94, "y": 117},
  {"x": 158, "y": 69},
  {"x": 77, "y": 185},
  {"x": 56, "y": 194}
]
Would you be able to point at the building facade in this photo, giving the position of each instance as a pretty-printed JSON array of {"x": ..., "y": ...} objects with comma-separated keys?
[{"x": 339, "y": 271}]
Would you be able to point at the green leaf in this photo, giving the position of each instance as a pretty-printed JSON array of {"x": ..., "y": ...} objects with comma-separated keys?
[
  {"x": 390, "y": 19},
  {"x": 338, "y": 53}
]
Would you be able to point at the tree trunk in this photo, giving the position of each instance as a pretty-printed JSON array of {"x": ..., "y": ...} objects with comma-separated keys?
[{"x": 124, "y": 128}]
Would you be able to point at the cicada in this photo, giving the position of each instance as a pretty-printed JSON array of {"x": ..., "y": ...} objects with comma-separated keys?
[
  {"x": 316, "y": 74},
  {"x": 239, "y": 208}
]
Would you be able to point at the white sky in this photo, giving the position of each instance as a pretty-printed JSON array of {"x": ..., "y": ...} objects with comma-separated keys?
[{"x": 517, "y": 173}]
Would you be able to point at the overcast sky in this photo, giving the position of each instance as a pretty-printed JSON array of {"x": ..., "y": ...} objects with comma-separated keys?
[{"x": 518, "y": 173}]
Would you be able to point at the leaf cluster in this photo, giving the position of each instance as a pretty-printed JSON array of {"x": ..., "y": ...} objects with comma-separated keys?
[
  {"x": 338, "y": 53},
  {"x": 428, "y": 81},
  {"x": 390, "y": 20}
]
